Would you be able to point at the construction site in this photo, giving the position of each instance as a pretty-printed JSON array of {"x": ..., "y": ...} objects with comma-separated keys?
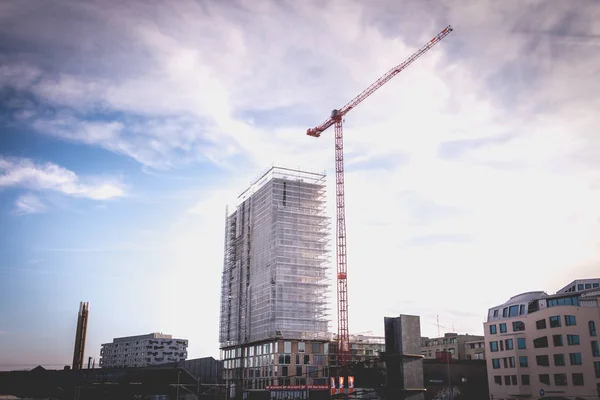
[{"x": 274, "y": 321}]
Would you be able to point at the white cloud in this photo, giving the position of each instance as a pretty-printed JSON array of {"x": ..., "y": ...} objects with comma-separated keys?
[
  {"x": 29, "y": 204},
  {"x": 238, "y": 87},
  {"x": 22, "y": 172}
]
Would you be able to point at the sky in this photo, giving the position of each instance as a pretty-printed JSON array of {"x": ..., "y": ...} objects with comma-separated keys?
[{"x": 127, "y": 127}]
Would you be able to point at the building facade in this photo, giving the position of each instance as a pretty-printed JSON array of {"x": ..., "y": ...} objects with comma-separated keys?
[
  {"x": 142, "y": 351},
  {"x": 274, "y": 295},
  {"x": 545, "y": 345},
  {"x": 457, "y": 345},
  {"x": 365, "y": 349},
  {"x": 475, "y": 350}
]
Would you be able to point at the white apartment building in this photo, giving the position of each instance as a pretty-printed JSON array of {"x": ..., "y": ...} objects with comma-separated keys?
[
  {"x": 541, "y": 345},
  {"x": 142, "y": 351}
]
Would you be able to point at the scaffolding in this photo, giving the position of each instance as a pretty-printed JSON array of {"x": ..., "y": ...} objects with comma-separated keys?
[{"x": 275, "y": 281}]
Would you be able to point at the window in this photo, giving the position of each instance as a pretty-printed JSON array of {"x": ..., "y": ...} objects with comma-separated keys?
[
  {"x": 518, "y": 326},
  {"x": 505, "y": 312},
  {"x": 541, "y": 324},
  {"x": 495, "y": 313},
  {"x": 505, "y": 359},
  {"x": 513, "y": 311},
  {"x": 575, "y": 358},
  {"x": 507, "y": 380},
  {"x": 511, "y": 362},
  {"x": 525, "y": 380},
  {"x": 563, "y": 301},
  {"x": 588, "y": 285},
  {"x": 297, "y": 359},
  {"x": 513, "y": 379},
  {"x": 595, "y": 349},
  {"x": 306, "y": 359},
  {"x": 493, "y": 346},
  {"x": 542, "y": 361},
  {"x": 326, "y": 348},
  {"x": 557, "y": 339},
  {"x": 545, "y": 379},
  {"x": 577, "y": 379},
  {"x": 597, "y": 368},
  {"x": 301, "y": 347},
  {"x": 495, "y": 363},
  {"x": 509, "y": 344},
  {"x": 521, "y": 343},
  {"x": 573, "y": 340},
  {"x": 560, "y": 379},
  {"x": 570, "y": 320},
  {"x": 559, "y": 360},
  {"x": 533, "y": 306},
  {"x": 540, "y": 342},
  {"x": 580, "y": 286},
  {"x": 493, "y": 329},
  {"x": 595, "y": 285},
  {"x": 284, "y": 371},
  {"x": 503, "y": 328},
  {"x": 523, "y": 362},
  {"x": 592, "y": 326},
  {"x": 555, "y": 321},
  {"x": 287, "y": 347},
  {"x": 522, "y": 309},
  {"x": 501, "y": 345},
  {"x": 498, "y": 380}
]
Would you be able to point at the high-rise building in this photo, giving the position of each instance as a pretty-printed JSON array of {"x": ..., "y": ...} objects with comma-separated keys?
[
  {"x": 80, "y": 334},
  {"x": 545, "y": 345},
  {"x": 274, "y": 306},
  {"x": 143, "y": 350}
]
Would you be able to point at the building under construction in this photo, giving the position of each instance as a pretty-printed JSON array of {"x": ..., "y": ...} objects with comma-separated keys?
[
  {"x": 81, "y": 334},
  {"x": 274, "y": 306}
]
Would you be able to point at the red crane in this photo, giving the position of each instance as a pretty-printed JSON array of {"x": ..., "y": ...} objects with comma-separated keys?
[{"x": 336, "y": 119}]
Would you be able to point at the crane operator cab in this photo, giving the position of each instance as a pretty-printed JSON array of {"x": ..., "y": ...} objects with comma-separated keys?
[{"x": 335, "y": 114}]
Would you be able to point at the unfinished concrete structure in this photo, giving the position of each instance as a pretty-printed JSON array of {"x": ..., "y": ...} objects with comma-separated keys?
[
  {"x": 80, "y": 334},
  {"x": 275, "y": 274},
  {"x": 404, "y": 361}
]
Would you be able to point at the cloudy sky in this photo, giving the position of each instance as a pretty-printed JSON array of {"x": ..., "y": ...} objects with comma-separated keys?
[{"x": 126, "y": 127}]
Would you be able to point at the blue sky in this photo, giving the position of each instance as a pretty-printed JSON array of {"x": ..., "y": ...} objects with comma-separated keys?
[{"x": 126, "y": 129}]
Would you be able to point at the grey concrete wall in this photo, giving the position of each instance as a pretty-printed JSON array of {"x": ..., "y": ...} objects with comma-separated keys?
[{"x": 403, "y": 342}]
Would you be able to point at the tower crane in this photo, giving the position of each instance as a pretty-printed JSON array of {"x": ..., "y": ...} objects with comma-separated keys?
[{"x": 336, "y": 119}]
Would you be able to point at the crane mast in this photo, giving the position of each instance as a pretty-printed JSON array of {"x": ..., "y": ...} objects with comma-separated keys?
[{"x": 336, "y": 119}]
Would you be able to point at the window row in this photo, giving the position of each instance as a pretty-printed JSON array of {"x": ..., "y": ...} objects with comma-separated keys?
[
  {"x": 538, "y": 343},
  {"x": 511, "y": 311},
  {"x": 559, "y": 379},
  {"x": 563, "y": 301},
  {"x": 541, "y": 360},
  {"x": 517, "y": 326},
  {"x": 555, "y": 322},
  {"x": 557, "y": 341}
]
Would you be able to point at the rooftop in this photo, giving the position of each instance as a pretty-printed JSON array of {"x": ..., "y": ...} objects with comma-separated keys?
[{"x": 282, "y": 173}]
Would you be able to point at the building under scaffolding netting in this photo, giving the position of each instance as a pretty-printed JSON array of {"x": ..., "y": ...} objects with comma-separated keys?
[{"x": 275, "y": 276}]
